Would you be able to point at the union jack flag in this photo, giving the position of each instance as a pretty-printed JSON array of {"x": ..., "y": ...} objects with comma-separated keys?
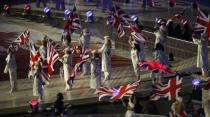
[
  {"x": 136, "y": 33},
  {"x": 23, "y": 37},
  {"x": 155, "y": 66},
  {"x": 121, "y": 14},
  {"x": 117, "y": 24},
  {"x": 73, "y": 22},
  {"x": 34, "y": 55},
  {"x": 117, "y": 93},
  {"x": 52, "y": 56},
  {"x": 169, "y": 90},
  {"x": 203, "y": 23}
]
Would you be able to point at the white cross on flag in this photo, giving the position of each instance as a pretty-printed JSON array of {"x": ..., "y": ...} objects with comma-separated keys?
[{"x": 203, "y": 22}]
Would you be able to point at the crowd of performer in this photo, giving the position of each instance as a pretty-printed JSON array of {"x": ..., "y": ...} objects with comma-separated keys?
[{"x": 96, "y": 63}]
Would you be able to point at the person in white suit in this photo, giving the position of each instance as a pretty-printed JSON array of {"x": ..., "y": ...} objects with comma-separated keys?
[
  {"x": 11, "y": 68},
  {"x": 160, "y": 42},
  {"x": 67, "y": 64},
  {"x": 135, "y": 56},
  {"x": 106, "y": 58},
  {"x": 202, "y": 53},
  {"x": 84, "y": 43},
  {"x": 95, "y": 66}
]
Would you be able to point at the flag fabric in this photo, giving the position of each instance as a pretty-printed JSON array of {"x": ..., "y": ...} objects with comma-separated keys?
[
  {"x": 73, "y": 23},
  {"x": 136, "y": 33},
  {"x": 120, "y": 13},
  {"x": 169, "y": 90},
  {"x": 76, "y": 24},
  {"x": 155, "y": 66},
  {"x": 52, "y": 56},
  {"x": 34, "y": 55},
  {"x": 6, "y": 7},
  {"x": 203, "y": 22},
  {"x": 117, "y": 93},
  {"x": 117, "y": 24},
  {"x": 23, "y": 37}
]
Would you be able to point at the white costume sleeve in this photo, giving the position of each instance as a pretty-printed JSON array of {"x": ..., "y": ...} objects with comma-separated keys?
[{"x": 102, "y": 48}]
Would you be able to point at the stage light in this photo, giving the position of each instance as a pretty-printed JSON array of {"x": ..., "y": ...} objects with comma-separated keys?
[
  {"x": 196, "y": 82},
  {"x": 27, "y": 9},
  {"x": 47, "y": 11},
  {"x": 90, "y": 16},
  {"x": 134, "y": 18},
  {"x": 34, "y": 104},
  {"x": 6, "y": 10},
  {"x": 67, "y": 13},
  {"x": 201, "y": 83}
]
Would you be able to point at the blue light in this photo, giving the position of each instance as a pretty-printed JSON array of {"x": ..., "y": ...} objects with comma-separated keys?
[
  {"x": 67, "y": 12},
  {"x": 89, "y": 14},
  {"x": 134, "y": 18},
  {"x": 196, "y": 82},
  {"x": 46, "y": 10}
]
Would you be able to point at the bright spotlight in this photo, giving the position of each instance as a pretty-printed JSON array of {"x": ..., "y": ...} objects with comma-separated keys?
[
  {"x": 67, "y": 12},
  {"x": 47, "y": 11},
  {"x": 90, "y": 16},
  {"x": 134, "y": 18},
  {"x": 196, "y": 82}
]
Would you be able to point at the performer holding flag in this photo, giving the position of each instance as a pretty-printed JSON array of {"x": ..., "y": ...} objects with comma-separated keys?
[
  {"x": 106, "y": 58},
  {"x": 135, "y": 56},
  {"x": 67, "y": 65}
]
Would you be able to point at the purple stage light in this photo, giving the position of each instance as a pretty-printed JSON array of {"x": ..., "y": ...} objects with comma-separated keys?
[
  {"x": 196, "y": 82},
  {"x": 46, "y": 9},
  {"x": 89, "y": 14},
  {"x": 67, "y": 12},
  {"x": 134, "y": 18}
]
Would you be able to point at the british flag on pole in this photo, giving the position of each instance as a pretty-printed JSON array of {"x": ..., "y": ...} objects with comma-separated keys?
[
  {"x": 52, "y": 56},
  {"x": 117, "y": 93},
  {"x": 203, "y": 22},
  {"x": 73, "y": 23},
  {"x": 23, "y": 37},
  {"x": 114, "y": 20},
  {"x": 169, "y": 90},
  {"x": 34, "y": 55}
]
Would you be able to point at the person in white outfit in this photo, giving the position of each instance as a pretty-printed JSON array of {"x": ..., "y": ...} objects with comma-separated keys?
[
  {"x": 38, "y": 82},
  {"x": 202, "y": 56},
  {"x": 135, "y": 56},
  {"x": 160, "y": 55},
  {"x": 160, "y": 42},
  {"x": 11, "y": 68},
  {"x": 106, "y": 58},
  {"x": 130, "y": 108},
  {"x": 95, "y": 66},
  {"x": 43, "y": 53},
  {"x": 84, "y": 43},
  {"x": 67, "y": 64}
]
